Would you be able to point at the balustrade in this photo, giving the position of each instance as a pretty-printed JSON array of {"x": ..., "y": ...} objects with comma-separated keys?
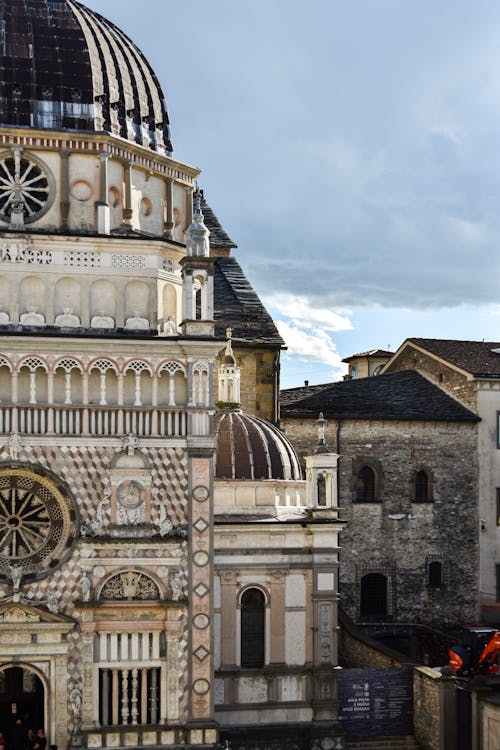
[
  {"x": 129, "y": 697},
  {"x": 104, "y": 421}
]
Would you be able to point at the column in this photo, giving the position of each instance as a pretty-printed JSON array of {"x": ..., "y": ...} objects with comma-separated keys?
[
  {"x": 168, "y": 226},
  {"x": 127, "y": 206},
  {"x": 134, "y": 699},
  {"x": 105, "y": 697},
  {"x": 124, "y": 674},
  {"x": 65, "y": 203},
  {"x": 115, "y": 692}
]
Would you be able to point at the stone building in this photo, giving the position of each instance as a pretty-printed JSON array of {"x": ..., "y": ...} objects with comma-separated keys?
[
  {"x": 120, "y": 596},
  {"x": 407, "y": 488},
  {"x": 366, "y": 364},
  {"x": 470, "y": 371}
]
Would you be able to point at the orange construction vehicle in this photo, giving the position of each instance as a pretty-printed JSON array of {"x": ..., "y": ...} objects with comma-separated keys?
[{"x": 477, "y": 653}]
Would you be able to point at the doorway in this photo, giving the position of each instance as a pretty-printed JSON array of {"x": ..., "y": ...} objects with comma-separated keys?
[{"x": 22, "y": 696}]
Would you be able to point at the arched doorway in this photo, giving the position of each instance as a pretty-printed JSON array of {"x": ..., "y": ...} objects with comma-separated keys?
[{"x": 22, "y": 696}]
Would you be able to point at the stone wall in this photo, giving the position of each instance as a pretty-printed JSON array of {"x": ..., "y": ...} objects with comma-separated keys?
[
  {"x": 257, "y": 381},
  {"x": 358, "y": 651},
  {"x": 397, "y": 537},
  {"x": 489, "y": 719},
  {"x": 447, "y": 378},
  {"x": 427, "y": 697}
]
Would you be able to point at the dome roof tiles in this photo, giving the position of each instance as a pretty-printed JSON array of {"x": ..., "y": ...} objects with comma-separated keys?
[
  {"x": 66, "y": 67},
  {"x": 251, "y": 448}
]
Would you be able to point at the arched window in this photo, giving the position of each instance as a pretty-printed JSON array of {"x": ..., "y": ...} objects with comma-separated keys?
[
  {"x": 252, "y": 628},
  {"x": 435, "y": 574},
  {"x": 373, "y": 603},
  {"x": 321, "y": 486},
  {"x": 366, "y": 485},
  {"x": 422, "y": 494}
]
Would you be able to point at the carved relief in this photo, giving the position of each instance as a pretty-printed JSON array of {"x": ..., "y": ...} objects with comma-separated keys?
[{"x": 130, "y": 585}]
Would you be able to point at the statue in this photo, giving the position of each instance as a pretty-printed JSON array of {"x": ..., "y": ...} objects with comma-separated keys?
[
  {"x": 86, "y": 586},
  {"x": 131, "y": 443},
  {"x": 175, "y": 580},
  {"x": 75, "y": 698},
  {"x": 14, "y": 446},
  {"x": 16, "y": 575}
]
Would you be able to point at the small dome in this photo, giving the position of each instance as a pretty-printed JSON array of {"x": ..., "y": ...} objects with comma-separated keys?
[
  {"x": 251, "y": 448},
  {"x": 65, "y": 67}
]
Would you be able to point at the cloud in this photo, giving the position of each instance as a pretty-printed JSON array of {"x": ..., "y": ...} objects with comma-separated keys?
[
  {"x": 313, "y": 345},
  {"x": 305, "y": 315}
]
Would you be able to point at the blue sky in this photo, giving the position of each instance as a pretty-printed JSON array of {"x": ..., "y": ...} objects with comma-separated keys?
[{"x": 352, "y": 150}]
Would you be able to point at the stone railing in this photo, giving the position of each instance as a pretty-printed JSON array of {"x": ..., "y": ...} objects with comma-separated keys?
[{"x": 84, "y": 421}]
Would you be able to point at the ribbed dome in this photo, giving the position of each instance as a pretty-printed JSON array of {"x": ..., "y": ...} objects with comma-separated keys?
[
  {"x": 64, "y": 66},
  {"x": 251, "y": 448}
]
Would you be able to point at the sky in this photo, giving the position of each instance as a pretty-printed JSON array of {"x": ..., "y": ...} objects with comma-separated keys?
[{"x": 351, "y": 150}]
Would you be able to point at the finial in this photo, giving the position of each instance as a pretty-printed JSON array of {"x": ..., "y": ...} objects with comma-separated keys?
[
  {"x": 229, "y": 333},
  {"x": 321, "y": 422},
  {"x": 197, "y": 201}
]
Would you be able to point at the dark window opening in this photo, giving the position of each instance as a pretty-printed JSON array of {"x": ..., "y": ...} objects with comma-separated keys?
[
  {"x": 252, "y": 629},
  {"x": 435, "y": 574},
  {"x": 321, "y": 490},
  {"x": 365, "y": 491},
  {"x": 373, "y": 602},
  {"x": 421, "y": 487},
  {"x": 498, "y": 506}
]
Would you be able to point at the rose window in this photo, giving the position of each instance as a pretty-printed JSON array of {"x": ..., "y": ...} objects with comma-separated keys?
[
  {"x": 37, "y": 523},
  {"x": 24, "y": 187}
]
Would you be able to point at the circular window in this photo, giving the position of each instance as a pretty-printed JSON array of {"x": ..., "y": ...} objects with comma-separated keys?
[
  {"x": 24, "y": 187},
  {"x": 37, "y": 522}
]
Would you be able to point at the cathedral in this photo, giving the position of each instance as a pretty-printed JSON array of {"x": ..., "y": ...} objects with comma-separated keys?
[{"x": 167, "y": 576}]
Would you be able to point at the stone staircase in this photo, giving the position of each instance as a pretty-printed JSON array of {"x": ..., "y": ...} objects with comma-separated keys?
[{"x": 382, "y": 743}]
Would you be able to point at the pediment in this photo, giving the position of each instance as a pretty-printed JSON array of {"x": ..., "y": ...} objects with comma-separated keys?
[{"x": 19, "y": 613}]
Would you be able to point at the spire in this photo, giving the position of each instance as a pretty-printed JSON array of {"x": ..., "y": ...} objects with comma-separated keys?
[
  {"x": 229, "y": 377},
  {"x": 197, "y": 243}
]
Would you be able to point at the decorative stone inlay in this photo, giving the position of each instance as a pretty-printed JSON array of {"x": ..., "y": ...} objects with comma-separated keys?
[
  {"x": 37, "y": 523},
  {"x": 200, "y": 525},
  {"x": 201, "y": 687},
  {"x": 23, "y": 252},
  {"x": 200, "y": 558},
  {"x": 201, "y": 653},
  {"x": 201, "y": 493},
  {"x": 82, "y": 260},
  {"x": 201, "y": 621},
  {"x": 201, "y": 590},
  {"x": 130, "y": 585},
  {"x": 128, "y": 261}
]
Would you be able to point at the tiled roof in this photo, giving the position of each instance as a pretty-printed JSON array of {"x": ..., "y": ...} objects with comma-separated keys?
[
  {"x": 476, "y": 357},
  {"x": 290, "y": 395},
  {"x": 371, "y": 353},
  {"x": 400, "y": 395},
  {"x": 238, "y": 306},
  {"x": 218, "y": 235}
]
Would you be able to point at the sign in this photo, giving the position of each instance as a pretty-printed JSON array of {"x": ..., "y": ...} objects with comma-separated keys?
[{"x": 376, "y": 702}]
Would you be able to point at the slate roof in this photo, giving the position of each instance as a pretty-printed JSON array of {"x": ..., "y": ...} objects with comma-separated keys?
[
  {"x": 400, "y": 395},
  {"x": 476, "y": 357},
  {"x": 218, "y": 235},
  {"x": 290, "y": 395},
  {"x": 237, "y": 305}
]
